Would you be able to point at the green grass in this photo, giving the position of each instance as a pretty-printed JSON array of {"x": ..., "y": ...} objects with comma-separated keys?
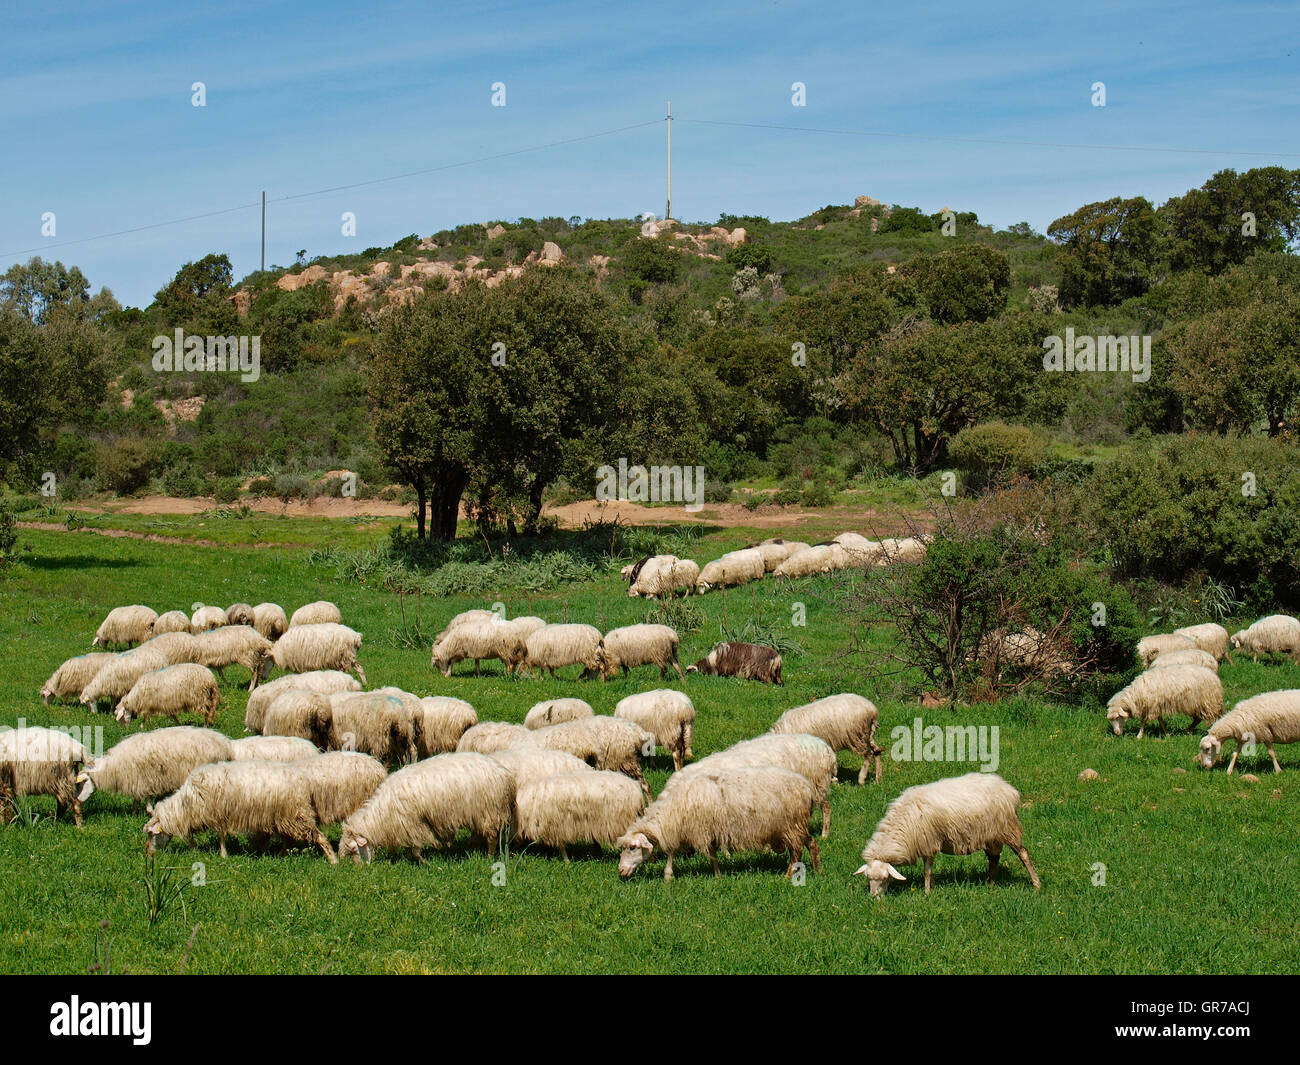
[{"x": 1198, "y": 879}]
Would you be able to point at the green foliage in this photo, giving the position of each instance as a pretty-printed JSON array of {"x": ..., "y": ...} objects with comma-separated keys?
[
  {"x": 745, "y": 255},
  {"x": 1108, "y": 251},
  {"x": 907, "y": 220},
  {"x": 125, "y": 465},
  {"x": 993, "y": 449},
  {"x": 8, "y": 533},
  {"x": 1207, "y": 228},
  {"x": 227, "y": 490},
  {"x": 967, "y": 284},
  {"x": 651, "y": 260}
]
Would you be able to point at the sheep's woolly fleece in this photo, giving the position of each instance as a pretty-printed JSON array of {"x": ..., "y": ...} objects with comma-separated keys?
[
  {"x": 67, "y": 682},
  {"x": 443, "y": 721},
  {"x": 207, "y": 618},
  {"x": 1275, "y": 634},
  {"x": 1151, "y": 647},
  {"x": 379, "y": 723},
  {"x": 172, "y": 621},
  {"x": 125, "y": 626},
  {"x": 178, "y": 647},
  {"x": 152, "y": 764},
  {"x": 664, "y": 574},
  {"x": 847, "y": 722},
  {"x": 572, "y": 807},
  {"x": 341, "y": 782},
  {"x": 1268, "y": 718},
  {"x": 272, "y": 749},
  {"x": 40, "y": 761},
  {"x": 602, "y": 742},
  {"x": 489, "y": 736},
  {"x": 557, "y": 711},
  {"x": 314, "y": 647},
  {"x": 317, "y": 613},
  {"x": 557, "y": 646},
  {"x": 533, "y": 763},
  {"x": 324, "y": 681},
  {"x": 119, "y": 675},
  {"x": 185, "y": 689},
  {"x": 639, "y": 645},
  {"x": 269, "y": 619},
  {"x": 733, "y": 568},
  {"x": 1209, "y": 637},
  {"x": 666, "y": 713},
  {"x": 1151, "y": 696}
]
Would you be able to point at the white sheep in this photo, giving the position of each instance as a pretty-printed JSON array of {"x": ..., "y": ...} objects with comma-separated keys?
[
  {"x": 1188, "y": 656},
  {"x": 487, "y": 737},
  {"x": 847, "y": 722},
  {"x": 464, "y": 618},
  {"x": 125, "y": 626},
  {"x": 207, "y": 618},
  {"x": 239, "y": 614},
  {"x": 568, "y": 808},
  {"x": 324, "y": 681},
  {"x": 1151, "y": 647},
  {"x": 269, "y": 619},
  {"x": 149, "y": 765},
  {"x": 341, "y": 782},
  {"x": 957, "y": 815},
  {"x": 426, "y": 804},
  {"x": 234, "y": 645},
  {"x": 906, "y": 549},
  {"x": 1275, "y": 634},
  {"x": 1208, "y": 637},
  {"x": 1268, "y": 718},
  {"x": 776, "y": 551},
  {"x": 556, "y": 711},
  {"x": 187, "y": 688},
  {"x": 733, "y": 568},
  {"x": 40, "y": 761},
  {"x": 178, "y": 647},
  {"x": 533, "y": 763},
  {"x": 639, "y": 645},
  {"x": 443, "y": 721},
  {"x": 172, "y": 621},
  {"x": 272, "y": 749},
  {"x": 857, "y": 552},
  {"x": 315, "y": 647},
  {"x": 298, "y": 712},
  {"x": 602, "y": 742},
  {"x": 556, "y": 646},
  {"x": 118, "y": 675},
  {"x": 232, "y": 798},
  {"x": 759, "y": 808},
  {"x": 477, "y": 640},
  {"x": 66, "y": 682},
  {"x": 1192, "y": 690},
  {"x": 320, "y": 612},
  {"x": 379, "y": 723},
  {"x": 662, "y": 575},
  {"x": 820, "y": 558},
  {"x": 666, "y": 713}
]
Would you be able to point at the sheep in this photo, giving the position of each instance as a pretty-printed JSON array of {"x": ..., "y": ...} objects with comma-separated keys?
[
  {"x": 487, "y": 737},
  {"x": 512, "y": 639},
  {"x": 172, "y": 621},
  {"x": 118, "y": 676},
  {"x": 661, "y": 575},
  {"x": 639, "y": 645},
  {"x": 178, "y": 647},
  {"x": 170, "y": 692},
  {"x": 1187, "y": 656},
  {"x": 907, "y": 549},
  {"x": 571, "y": 807},
  {"x": 1268, "y": 718},
  {"x": 269, "y": 619},
  {"x": 556, "y": 712},
  {"x": 272, "y": 749},
  {"x": 67, "y": 682},
  {"x": 1208, "y": 637},
  {"x": 464, "y": 618},
  {"x": 775, "y": 551},
  {"x": 443, "y": 721},
  {"x": 302, "y": 713},
  {"x": 341, "y": 782},
  {"x": 1192, "y": 690},
  {"x": 207, "y": 618},
  {"x": 150, "y": 765},
  {"x": 235, "y": 645},
  {"x": 602, "y": 742},
  {"x": 125, "y": 626},
  {"x": 847, "y": 722},
  {"x": 857, "y": 552},
  {"x": 668, "y": 714},
  {"x": 1275, "y": 634},
  {"x": 533, "y": 763},
  {"x": 759, "y": 808},
  {"x": 311, "y": 648},
  {"x": 425, "y": 804},
  {"x": 1027, "y": 649},
  {"x": 477, "y": 640},
  {"x": 957, "y": 815},
  {"x": 40, "y": 761},
  {"x": 324, "y": 681},
  {"x": 229, "y": 798},
  {"x": 820, "y": 558},
  {"x": 735, "y": 567},
  {"x": 1151, "y": 647},
  {"x": 378, "y": 723},
  {"x": 749, "y": 661},
  {"x": 556, "y": 646},
  {"x": 239, "y": 614},
  {"x": 320, "y": 612}
]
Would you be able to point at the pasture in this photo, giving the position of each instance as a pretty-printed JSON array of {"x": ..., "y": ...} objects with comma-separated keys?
[{"x": 1199, "y": 867}]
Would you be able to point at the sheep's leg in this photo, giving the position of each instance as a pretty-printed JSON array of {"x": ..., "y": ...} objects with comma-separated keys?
[
  {"x": 1023, "y": 855},
  {"x": 929, "y": 872},
  {"x": 826, "y": 817},
  {"x": 416, "y": 854},
  {"x": 1142, "y": 729},
  {"x": 220, "y": 675},
  {"x": 668, "y": 870},
  {"x": 814, "y": 852},
  {"x": 994, "y": 852},
  {"x": 1276, "y": 768},
  {"x": 1232, "y": 762},
  {"x": 680, "y": 675},
  {"x": 713, "y": 859},
  {"x": 324, "y": 845},
  {"x": 564, "y": 853},
  {"x": 222, "y": 839},
  {"x": 645, "y": 788}
]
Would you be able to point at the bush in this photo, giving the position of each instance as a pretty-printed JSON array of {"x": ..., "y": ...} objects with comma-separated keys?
[
  {"x": 992, "y": 450},
  {"x": 8, "y": 534},
  {"x": 751, "y": 255},
  {"x": 182, "y": 481},
  {"x": 261, "y": 486},
  {"x": 293, "y": 486},
  {"x": 126, "y": 466},
  {"x": 227, "y": 490}
]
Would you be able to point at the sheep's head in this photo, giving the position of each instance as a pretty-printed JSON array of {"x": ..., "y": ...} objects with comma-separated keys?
[
  {"x": 701, "y": 587},
  {"x": 98, "y": 641},
  {"x": 1237, "y": 639},
  {"x": 879, "y": 874},
  {"x": 85, "y": 783},
  {"x": 155, "y": 838},
  {"x": 357, "y": 846},
  {"x": 637, "y": 848},
  {"x": 122, "y": 714},
  {"x": 47, "y": 696},
  {"x": 264, "y": 670},
  {"x": 1117, "y": 715},
  {"x": 1211, "y": 746}
]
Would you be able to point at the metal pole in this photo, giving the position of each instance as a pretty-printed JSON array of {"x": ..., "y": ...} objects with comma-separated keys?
[
  {"x": 263, "y": 229},
  {"x": 668, "y": 211}
]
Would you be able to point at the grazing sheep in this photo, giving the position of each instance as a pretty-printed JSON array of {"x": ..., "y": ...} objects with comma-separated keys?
[
  {"x": 572, "y": 807},
  {"x": 668, "y": 714},
  {"x": 1192, "y": 690},
  {"x": 426, "y": 804},
  {"x": 67, "y": 682},
  {"x": 443, "y": 721},
  {"x": 477, "y": 640},
  {"x": 602, "y": 742},
  {"x": 172, "y": 621},
  {"x": 1188, "y": 656},
  {"x": 820, "y": 558},
  {"x": 556, "y": 712},
  {"x": 857, "y": 552},
  {"x": 1268, "y": 718},
  {"x": 1208, "y": 637},
  {"x": 759, "y": 808},
  {"x": 464, "y": 618},
  {"x": 809, "y": 756},
  {"x": 378, "y": 723},
  {"x": 269, "y": 619},
  {"x": 240, "y": 614},
  {"x": 1275, "y": 634},
  {"x": 207, "y": 618},
  {"x": 272, "y": 749},
  {"x": 119, "y": 675},
  {"x": 1151, "y": 647},
  {"x": 341, "y": 782},
  {"x": 776, "y": 551},
  {"x": 315, "y": 647},
  {"x": 512, "y": 639},
  {"x": 749, "y": 661},
  {"x": 557, "y": 646},
  {"x": 957, "y": 815},
  {"x": 149, "y": 765},
  {"x": 662, "y": 575},
  {"x": 125, "y": 626},
  {"x": 40, "y": 761},
  {"x": 302, "y": 713},
  {"x": 317, "y": 613},
  {"x": 488, "y": 737},
  {"x": 232, "y": 798},
  {"x": 178, "y": 647},
  {"x": 235, "y": 645},
  {"x": 639, "y": 645},
  {"x": 847, "y": 722},
  {"x": 735, "y": 567},
  {"x": 1027, "y": 649},
  {"x": 533, "y": 763},
  {"x": 907, "y": 549},
  {"x": 187, "y": 688},
  {"x": 324, "y": 681}
]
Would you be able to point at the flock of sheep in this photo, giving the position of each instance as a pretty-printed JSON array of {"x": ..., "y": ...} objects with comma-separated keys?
[{"x": 400, "y": 772}]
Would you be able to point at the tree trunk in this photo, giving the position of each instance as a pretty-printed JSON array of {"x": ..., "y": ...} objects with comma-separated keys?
[
  {"x": 533, "y": 520},
  {"x": 419, "y": 504},
  {"x": 444, "y": 508}
]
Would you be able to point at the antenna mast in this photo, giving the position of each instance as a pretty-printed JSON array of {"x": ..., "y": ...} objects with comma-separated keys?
[{"x": 668, "y": 211}]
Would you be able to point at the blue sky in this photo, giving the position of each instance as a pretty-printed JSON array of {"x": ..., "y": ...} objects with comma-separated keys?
[{"x": 99, "y": 127}]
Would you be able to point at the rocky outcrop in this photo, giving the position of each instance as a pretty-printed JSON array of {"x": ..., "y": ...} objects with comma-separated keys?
[{"x": 293, "y": 282}]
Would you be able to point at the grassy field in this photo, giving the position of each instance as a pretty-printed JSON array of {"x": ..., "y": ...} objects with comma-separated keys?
[{"x": 1199, "y": 867}]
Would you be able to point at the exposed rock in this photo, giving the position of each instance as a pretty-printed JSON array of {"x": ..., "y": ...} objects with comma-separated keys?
[
  {"x": 866, "y": 201},
  {"x": 736, "y": 236},
  {"x": 426, "y": 245},
  {"x": 875, "y": 225},
  {"x": 128, "y": 399},
  {"x": 551, "y": 253},
  {"x": 1249, "y": 778},
  {"x": 497, "y": 230},
  {"x": 380, "y": 269},
  {"x": 1089, "y": 774},
  {"x": 1180, "y": 769},
  {"x": 242, "y": 300},
  {"x": 293, "y": 282},
  {"x": 180, "y": 410},
  {"x": 601, "y": 265}
]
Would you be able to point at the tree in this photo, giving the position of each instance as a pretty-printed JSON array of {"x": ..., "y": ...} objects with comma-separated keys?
[
  {"x": 967, "y": 284},
  {"x": 38, "y": 290},
  {"x": 849, "y": 315},
  {"x": 1232, "y": 217},
  {"x": 651, "y": 260},
  {"x": 1108, "y": 251},
  {"x": 197, "y": 294}
]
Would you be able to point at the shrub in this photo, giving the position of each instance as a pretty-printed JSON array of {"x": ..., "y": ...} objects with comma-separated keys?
[
  {"x": 227, "y": 490},
  {"x": 182, "y": 481},
  {"x": 991, "y": 450},
  {"x": 8, "y": 534},
  {"x": 126, "y": 465},
  {"x": 261, "y": 486},
  {"x": 293, "y": 486},
  {"x": 750, "y": 255}
]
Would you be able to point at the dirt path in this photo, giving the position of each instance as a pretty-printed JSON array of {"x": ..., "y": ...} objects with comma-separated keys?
[{"x": 129, "y": 534}]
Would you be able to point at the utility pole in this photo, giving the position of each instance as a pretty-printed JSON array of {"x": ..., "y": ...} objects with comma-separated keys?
[
  {"x": 263, "y": 229},
  {"x": 668, "y": 211}
]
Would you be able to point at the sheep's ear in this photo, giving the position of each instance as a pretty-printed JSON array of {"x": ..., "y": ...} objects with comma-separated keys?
[
  {"x": 894, "y": 872},
  {"x": 860, "y": 871},
  {"x": 148, "y": 808}
]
